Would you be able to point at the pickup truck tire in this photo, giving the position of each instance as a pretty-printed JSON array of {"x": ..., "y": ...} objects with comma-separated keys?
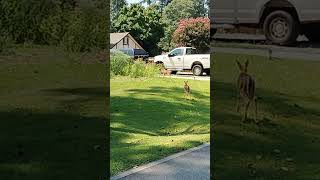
[
  {"x": 197, "y": 70},
  {"x": 281, "y": 28}
]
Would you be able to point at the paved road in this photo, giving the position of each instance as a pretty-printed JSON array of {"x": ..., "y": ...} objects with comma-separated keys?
[
  {"x": 189, "y": 75},
  {"x": 276, "y": 52},
  {"x": 192, "y": 164},
  {"x": 303, "y": 49}
]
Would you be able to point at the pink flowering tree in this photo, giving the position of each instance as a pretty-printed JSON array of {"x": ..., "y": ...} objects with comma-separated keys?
[{"x": 193, "y": 32}]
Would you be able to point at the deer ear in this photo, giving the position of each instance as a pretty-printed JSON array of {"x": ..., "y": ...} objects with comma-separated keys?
[
  {"x": 246, "y": 65},
  {"x": 239, "y": 65}
]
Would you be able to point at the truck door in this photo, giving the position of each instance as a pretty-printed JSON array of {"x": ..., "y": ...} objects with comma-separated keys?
[
  {"x": 176, "y": 58},
  {"x": 247, "y": 11},
  {"x": 223, "y": 11}
]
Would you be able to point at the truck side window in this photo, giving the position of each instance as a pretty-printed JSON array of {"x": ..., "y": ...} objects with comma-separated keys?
[
  {"x": 189, "y": 51},
  {"x": 177, "y": 52}
]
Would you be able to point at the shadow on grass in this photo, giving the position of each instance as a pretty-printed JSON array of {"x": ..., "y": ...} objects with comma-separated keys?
[
  {"x": 247, "y": 151},
  {"x": 51, "y": 145},
  {"x": 155, "y": 117},
  {"x": 168, "y": 92}
]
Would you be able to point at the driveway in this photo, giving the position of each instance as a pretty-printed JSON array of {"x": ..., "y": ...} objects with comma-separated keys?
[
  {"x": 187, "y": 165},
  {"x": 189, "y": 75},
  {"x": 292, "y": 53},
  {"x": 238, "y": 43}
]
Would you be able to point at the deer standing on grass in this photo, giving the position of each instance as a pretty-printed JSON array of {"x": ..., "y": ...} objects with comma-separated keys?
[
  {"x": 246, "y": 90},
  {"x": 165, "y": 72},
  {"x": 186, "y": 89}
]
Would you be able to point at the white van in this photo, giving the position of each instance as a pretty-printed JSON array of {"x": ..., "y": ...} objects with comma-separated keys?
[{"x": 281, "y": 20}]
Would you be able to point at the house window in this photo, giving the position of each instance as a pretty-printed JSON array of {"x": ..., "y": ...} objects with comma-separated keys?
[{"x": 125, "y": 41}]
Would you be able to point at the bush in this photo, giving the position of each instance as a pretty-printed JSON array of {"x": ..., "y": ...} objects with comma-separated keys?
[
  {"x": 193, "y": 32},
  {"x": 78, "y": 28},
  {"x": 6, "y": 44},
  {"x": 120, "y": 63},
  {"x": 123, "y": 65}
]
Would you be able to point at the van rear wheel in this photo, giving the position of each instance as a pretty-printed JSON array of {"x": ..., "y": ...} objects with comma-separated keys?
[
  {"x": 281, "y": 28},
  {"x": 197, "y": 70}
]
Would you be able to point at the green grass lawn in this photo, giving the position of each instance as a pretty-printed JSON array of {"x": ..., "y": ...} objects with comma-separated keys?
[
  {"x": 151, "y": 119},
  {"x": 53, "y": 115},
  {"x": 287, "y": 144}
]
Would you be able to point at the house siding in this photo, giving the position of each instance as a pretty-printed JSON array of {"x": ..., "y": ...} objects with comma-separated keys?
[{"x": 131, "y": 44}]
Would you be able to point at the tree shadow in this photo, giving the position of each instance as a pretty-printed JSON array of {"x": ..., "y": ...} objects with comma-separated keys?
[
  {"x": 291, "y": 128},
  {"x": 155, "y": 117},
  {"x": 37, "y": 144}
]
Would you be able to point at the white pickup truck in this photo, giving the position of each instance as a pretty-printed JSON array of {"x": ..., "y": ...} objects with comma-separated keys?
[{"x": 185, "y": 58}]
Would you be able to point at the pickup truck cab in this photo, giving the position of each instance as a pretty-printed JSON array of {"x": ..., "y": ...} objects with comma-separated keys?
[
  {"x": 281, "y": 20},
  {"x": 185, "y": 58}
]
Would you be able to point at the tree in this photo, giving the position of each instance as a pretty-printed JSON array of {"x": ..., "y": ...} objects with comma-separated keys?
[
  {"x": 143, "y": 24},
  {"x": 176, "y": 10},
  {"x": 193, "y": 32},
  {"x": 115, "y": 7}
]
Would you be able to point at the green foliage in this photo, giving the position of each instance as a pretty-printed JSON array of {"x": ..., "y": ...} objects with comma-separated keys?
[
  {"x": 144, "y": 24},
  {"x": 115, "y": 7},
  {"x": 87, "y": 29},
  {"x": 6, "y": 44},
  {"x": 193, "y": 32},
  {"x": 122, "y": 65},
  {"x": 56, "y": 22},
  {"x": 176, "y": 10},
  {"x": 23, "y": 18}
]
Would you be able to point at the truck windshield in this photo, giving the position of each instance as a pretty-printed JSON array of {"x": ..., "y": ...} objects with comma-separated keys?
[{"x": 191, "y": 51}]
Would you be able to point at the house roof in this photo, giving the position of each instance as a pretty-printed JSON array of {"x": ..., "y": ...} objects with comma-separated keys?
[{"x": 117, "y": 37}]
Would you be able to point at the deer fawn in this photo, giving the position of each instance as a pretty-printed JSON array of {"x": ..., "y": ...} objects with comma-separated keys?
[
  {"x": 186, "y": 89},
  {"x": 246, "y": 90},
  {"x": 165, "y": 72}
]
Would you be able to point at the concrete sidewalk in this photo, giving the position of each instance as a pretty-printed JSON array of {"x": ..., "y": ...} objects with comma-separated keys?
[{"x": 192, "y": 164}]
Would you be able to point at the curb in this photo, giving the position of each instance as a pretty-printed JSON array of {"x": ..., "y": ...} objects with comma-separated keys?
[{"x": 174, "y": 156}]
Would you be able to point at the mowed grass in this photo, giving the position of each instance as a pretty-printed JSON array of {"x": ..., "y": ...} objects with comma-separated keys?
[
  {"x": 286, "y": 145},
  {"x": 53, "y": 115},
  {"x": 151, "y": 119}
]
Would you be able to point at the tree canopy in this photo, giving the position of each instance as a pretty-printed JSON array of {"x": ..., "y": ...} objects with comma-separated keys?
[{"x": 144, "y": 24}]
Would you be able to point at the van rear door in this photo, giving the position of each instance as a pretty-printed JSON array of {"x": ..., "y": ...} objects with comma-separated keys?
[
  {"x": 223, "y": 12},
  {"x": 247, "y": 11}
]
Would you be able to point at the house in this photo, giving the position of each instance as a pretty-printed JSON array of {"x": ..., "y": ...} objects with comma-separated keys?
[{"x": 123, "y": 41}]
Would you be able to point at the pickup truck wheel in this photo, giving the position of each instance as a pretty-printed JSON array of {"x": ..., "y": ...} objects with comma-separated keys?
[
  {"x": 197, "y": 70},
  {"x": 280, "y": 27}
]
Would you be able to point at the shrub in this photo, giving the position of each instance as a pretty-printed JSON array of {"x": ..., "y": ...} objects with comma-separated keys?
[
  {"x": 123, "y": 65},
  {"x": 193, "y": 32},
  {"x": 6, "y": 44},
  {"x": 86, "y": 30},
  {"x": 120, "y": 63}
]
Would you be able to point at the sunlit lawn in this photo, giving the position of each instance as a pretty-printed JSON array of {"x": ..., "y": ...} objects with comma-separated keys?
[
  {"x": 53, "y": 115},
  {"x": 286, "y": 145},
  {"x": 151, "y": 119}
]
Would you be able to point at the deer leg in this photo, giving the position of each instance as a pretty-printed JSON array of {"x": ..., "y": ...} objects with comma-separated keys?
[
  {"x": 256, "y": 109},
  {"x": 246, "y": 111},
  {"x": 238, "y": 103}
]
